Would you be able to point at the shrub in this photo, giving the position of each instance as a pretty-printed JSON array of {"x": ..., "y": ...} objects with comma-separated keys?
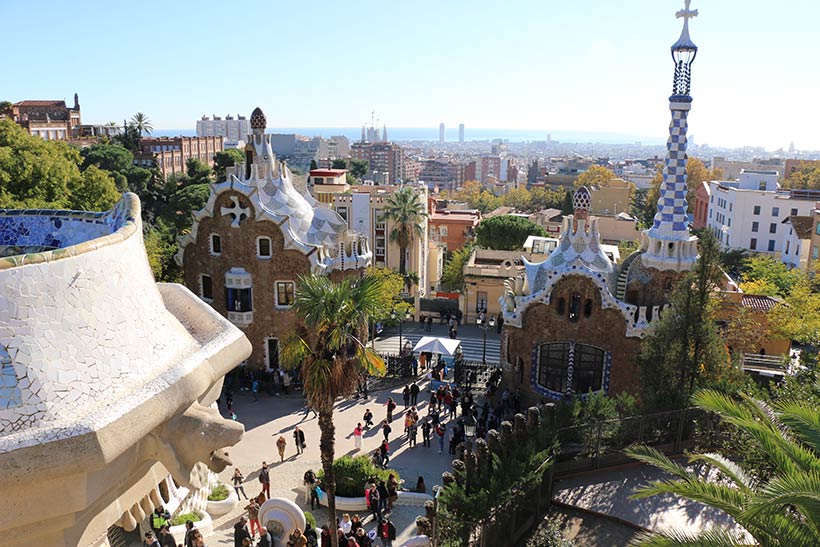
[
  {"x": 193, "y": 516},
  {"x": 219, "y": 493},
  {"x": 310, "y": 521},
  {"x": 353, "y": 473},
  {"x": 548, "y": 534}
]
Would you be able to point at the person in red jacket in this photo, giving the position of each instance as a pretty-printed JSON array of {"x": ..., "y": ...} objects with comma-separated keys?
[{"x": 386, "y": 532}]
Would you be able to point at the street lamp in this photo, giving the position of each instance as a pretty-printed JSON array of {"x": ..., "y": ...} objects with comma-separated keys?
[
  {"x": 484, "y": 324},
  {"x": 406, "y": 318},
  {"x": 469, "y": 428}
]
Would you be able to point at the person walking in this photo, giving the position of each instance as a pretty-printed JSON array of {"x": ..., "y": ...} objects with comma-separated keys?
[
  {"x": 264, "y": 478},
  {"x": 299, "y": 439},
  {"x": 281, "y": 443},
  {"x": 386, "y": 430},
  {"x": 414, "y": 394},
  {"x": 367, "y": 418},
  {"x": 357, "y": 436},
  {"x": 440, "y": 432},
  {"x": 383, "y": 495},
  {"x": 253, "y": 516},
  {"x": 265, "y": 539},
  {"x": 405, "y": 395},
  {"x": 408, "y": 421},
  {"x": 384, "y": 452},
  {"x": 165, "y": 538},
  {"x": 387, "y": 532},
  {"x": 309, "y": 409},
  {"x": 412, "y": 434},
  {"x": 374, "y": 502},
  {"x": 240, "y": 531},
  {"x": 391, "y": 406},
  {"x": 238, "y": 479},
  {"x": 425, "y": 432},
  {"x": 311, "y": 483},
  {"x": 392, "y": 491}
]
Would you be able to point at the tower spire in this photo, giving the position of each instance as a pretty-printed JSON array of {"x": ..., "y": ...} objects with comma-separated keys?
[
  {"x": 668, "y": 245},
  {"x": 384, "y": 133}
]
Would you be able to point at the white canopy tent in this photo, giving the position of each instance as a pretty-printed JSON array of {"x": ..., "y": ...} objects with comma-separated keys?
[{"x": 433, "y": 344}]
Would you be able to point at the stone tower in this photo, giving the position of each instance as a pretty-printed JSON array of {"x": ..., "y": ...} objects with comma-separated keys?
[{"x": 668, "y": 244}]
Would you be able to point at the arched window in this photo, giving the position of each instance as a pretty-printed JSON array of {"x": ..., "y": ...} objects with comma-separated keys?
[
  {"x": 561, "y": 305},
  {"x": 588, "y": 308},
  {"x": 574, "y": 306}
]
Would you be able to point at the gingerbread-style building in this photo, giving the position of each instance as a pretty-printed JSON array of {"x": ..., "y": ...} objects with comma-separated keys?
[
  {"x": 253, "y": 240},
  {"x": 574, "y": 323}
]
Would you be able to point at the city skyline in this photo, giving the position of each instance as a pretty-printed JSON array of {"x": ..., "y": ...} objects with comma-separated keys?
[{"x": 590, "y": 67}]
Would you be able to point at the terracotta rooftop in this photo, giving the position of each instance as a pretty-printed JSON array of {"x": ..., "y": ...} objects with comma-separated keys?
[
  {"x": 327, "y": 172},
  {"x": 802, "y": 226},
  {"x": 40, "y": 103},
  {"x": 759, "y": 302}
]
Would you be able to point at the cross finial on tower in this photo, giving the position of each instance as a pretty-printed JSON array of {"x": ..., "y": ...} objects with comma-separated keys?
[{"x": 686, "y": 13}]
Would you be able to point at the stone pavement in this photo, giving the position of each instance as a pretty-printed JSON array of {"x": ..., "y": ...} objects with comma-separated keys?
[
  {"x": 608, "y": 493},
  {"x": 266, "y": 419}
]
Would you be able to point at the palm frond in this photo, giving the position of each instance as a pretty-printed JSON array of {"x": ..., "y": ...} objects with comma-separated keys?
[
  {"x": 707, "y": 538},
  {"x": 804, "y": 421},
  {"x": 294, "y": 351},
  {"x": 798, "y": 490},
  {"x": 729, "y": 468},
  {"x": 656, "y": 458}
]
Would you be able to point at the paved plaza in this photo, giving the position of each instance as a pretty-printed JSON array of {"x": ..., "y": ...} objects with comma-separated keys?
[{"x": 270, "y": 417}]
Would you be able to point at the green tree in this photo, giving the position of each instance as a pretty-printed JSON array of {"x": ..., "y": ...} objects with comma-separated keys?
[
  {"x": 567, "y": 206},
  {"x": 807, "y": 176},
  {"x": 5, "y": 108},
  {"x": 141, "y": 123},
  {"x": 406, "y": 211},
  {"x": 109, "y": 156},
  {"x": 519, "y": 199},
  {"x": 129, "y": 138},
  {"x": 506, "y": 232},
  {"x": 223, "y": 160},
  {"x": 95, "y": 191},
  {"x": 763, "y": 273},
  {"x": 594, "y": 177},
  {"x": 799, "y": 317},
  {"x": 783, "y": 511},
  {"x": 332, "y": 350},
  {"x": 313, "y": 165},
  {"x": 391, "y": 284},
  {"x": 338, "y": 164},
  {"x": 683, "y": 350},
  {"x": 359, "y": 168},
  {"x": 35, "y": 173},
  {"x": 545, "y": 198},
  {"x": 453, "y": 275},
  {"x": 198, "y": 172}
]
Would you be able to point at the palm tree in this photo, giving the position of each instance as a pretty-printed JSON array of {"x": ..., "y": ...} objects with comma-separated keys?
[
  {"x": 142, "y": 124},
  {"x": 407, "y": 212},
  {"x": 783, "y": 511},
  {"x": 332, "y": 350}
]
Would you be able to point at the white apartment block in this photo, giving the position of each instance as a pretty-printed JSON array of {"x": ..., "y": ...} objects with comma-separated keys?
[
  {"x": 748, "y": 213},
  {"x": 234, "y": 130}
]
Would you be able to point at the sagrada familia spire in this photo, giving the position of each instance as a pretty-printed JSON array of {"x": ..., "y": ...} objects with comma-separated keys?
[{"x": 668, "y": 244}]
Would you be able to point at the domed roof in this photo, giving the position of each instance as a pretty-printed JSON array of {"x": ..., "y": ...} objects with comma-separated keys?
[{"x": 258, "y": 120}]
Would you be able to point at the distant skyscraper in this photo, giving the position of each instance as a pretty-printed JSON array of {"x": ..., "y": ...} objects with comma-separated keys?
[
  {"x": 441, "y": 132},
  {"x": 791, "y": 149},
  {"x": 384, "y": 134},
  {"x": 461, "y": 132}
]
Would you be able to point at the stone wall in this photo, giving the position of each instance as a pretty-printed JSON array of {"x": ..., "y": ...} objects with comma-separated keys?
[
  {"x": 239, "y": 251},
  {"x": 604, "y": 328}
]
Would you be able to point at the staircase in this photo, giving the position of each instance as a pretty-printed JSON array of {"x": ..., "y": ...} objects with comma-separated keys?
[{"x": 620, "y": 288}]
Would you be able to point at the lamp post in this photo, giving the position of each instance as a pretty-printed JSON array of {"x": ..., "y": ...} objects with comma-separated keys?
[
  {"x": 469, "y": 428},
  {"x": 484, "y": 324},
  {"x": 393, "y": 316}
]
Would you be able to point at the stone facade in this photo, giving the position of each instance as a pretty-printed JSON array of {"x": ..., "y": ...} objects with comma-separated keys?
[{"x": 253, "y": 240}]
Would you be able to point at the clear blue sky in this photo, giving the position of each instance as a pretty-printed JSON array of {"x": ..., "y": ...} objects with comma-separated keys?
[{"x": 584, "y": 65}]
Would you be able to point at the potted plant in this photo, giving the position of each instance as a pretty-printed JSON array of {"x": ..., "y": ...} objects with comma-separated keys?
[{"x": 221, "y": 500}]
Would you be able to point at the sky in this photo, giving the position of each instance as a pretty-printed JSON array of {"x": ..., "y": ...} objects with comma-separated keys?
[{"x": 551, "y": 65}]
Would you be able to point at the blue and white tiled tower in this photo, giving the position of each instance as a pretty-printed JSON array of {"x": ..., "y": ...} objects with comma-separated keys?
[{"x": 668, "y": 245}]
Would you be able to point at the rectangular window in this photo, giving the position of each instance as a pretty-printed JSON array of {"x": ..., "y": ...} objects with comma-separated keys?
[
  {"x": 755, "y": 226},
  {"x": 794, "y": 212},
  {"x": 207, "y": 285},
  {"x": 771, "y": 245},
  {"x": 815, "y": 252},
  {"x": 216, "y": 244},
  {"x": 552, "y": 369},
  {"x": 761, "y": 186},
  {"x": 773, "y": 228},
  {"x": 342, "y": 212},
  {"x": 757, "y": 210},
  {"x": 238, "y": 300},
  {"x": 284, "y": 294},
  {"x": 588, "y": 373},
  {"x": 263, "y": 249},
  {"x": 730, "y": 207},
  {"x": 481, "y": 301},
  {"x": 753, "y": 244},
  {"x": 775, "y": 211},
  {"x": 379, "y": 216}
]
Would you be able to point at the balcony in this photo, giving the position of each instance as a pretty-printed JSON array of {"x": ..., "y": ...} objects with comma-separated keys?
[{"x": 240, "y": 318}]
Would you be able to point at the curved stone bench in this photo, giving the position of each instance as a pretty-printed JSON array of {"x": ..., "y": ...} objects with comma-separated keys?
[
  {"x": 417, "y": 541},
  {"x": 413, "y": 498}
]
